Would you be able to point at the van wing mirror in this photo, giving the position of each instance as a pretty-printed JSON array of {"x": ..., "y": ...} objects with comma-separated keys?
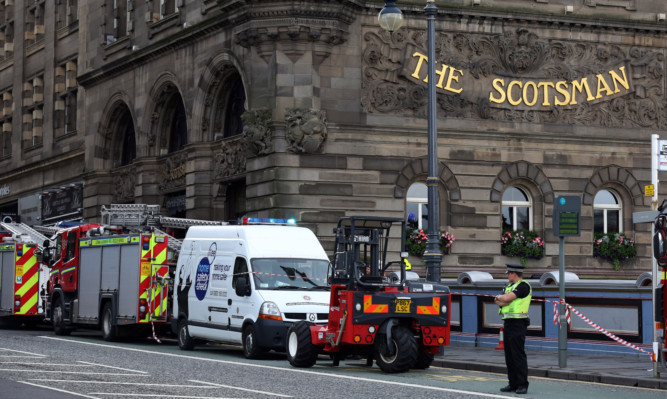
[{"x": 242, "y": 287}]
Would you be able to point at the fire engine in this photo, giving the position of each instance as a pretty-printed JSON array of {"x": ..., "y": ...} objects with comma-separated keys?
[
  {"x": 401, "y": 324},
  {"x": 660, "y": 295},
  {"x": 114, "y": 275},
  {"x": 22, "y": 276}
]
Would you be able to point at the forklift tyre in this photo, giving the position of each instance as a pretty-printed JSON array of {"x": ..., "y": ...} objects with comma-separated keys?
[
  {"x": 185, "y": 341},
  {"x": 300, "y": 349},
  {"x": 424, "y": 360},
  {"x": 59, "y": 319},
  {"x": 109, "y": 328},
  {"x": 405, "y": 351}
]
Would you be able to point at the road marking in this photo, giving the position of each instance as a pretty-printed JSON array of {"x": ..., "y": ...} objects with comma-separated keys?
[
  {"x": 214, "y": 385},
  {"x": 403, "y": 384},
  {"x": 121, "y": 383},
  {"x": 143, "y": 395},
  {"x": 71, "y": 372},
  {"x": 112, "y": 367},
  {"x": 27, "y": 353},
  {"x": 58, "y": 390},
  {"x": 45, "y": 364}
]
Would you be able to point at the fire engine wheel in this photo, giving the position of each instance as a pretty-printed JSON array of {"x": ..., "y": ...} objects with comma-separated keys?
[
  {"x": 185, "y": 341},
  {"x": 424, "y": 360},
  {"x": 109, "y": 328},
  {"x": 405, "y": 351},
  {"x": 59, "y": 319},
  {"x": 300, "y": 349},
  {"x": 251, "y": 349}
]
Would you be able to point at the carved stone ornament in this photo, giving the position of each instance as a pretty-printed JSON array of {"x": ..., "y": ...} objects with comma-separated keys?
[
  {"x": 124, "y": 182},
  {"x": 516, "y": 76},
  {"x": 230, "y": 160},
  {"x": 172, "y": 172},
  {"x": 257, "y": 132},
  {"x": 306, "y": 130}
]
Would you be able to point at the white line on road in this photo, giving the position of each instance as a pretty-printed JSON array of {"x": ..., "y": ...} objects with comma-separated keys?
[
  {"x": 71, "y": 372},
  {"x": 112, "y": 367},
  {"x": 403, "y": 384},
  {"x": 26, "y": 353},
  {"x": 58, "y": 390},
  {"x": 45, "y": 364},
  {"x": 241, "y": 389},
  {"x": 122, "y": 383},
  {"x": 143, "y": 395}
]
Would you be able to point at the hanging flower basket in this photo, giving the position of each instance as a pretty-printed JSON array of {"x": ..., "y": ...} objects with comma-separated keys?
[
  {"x": 614, "y": 247},
  {"x": 525, "y": 244},
  {"x": 416, "y": 239}
]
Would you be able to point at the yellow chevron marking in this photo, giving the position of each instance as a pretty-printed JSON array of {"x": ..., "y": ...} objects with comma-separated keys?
[
  {"x": 29, "y": 304},
  {"x": 161, "y": 257},
  {"x": 28, "y": 284}
]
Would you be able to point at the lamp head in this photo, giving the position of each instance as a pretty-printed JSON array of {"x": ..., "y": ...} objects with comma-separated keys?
[{"x": 390, "y": 17}]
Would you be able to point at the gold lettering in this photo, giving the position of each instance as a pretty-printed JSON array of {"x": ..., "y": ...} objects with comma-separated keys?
[
  {"x": 576, "y": 86},
  {"x": 603, "y": 86},
  {"x": 545, "y": 86},
  {"x": 617, "y": 79},
  {"x": 422, "y": 58},
  {"x": 525, "y": 93},
  {"x": 452, "y": 76},
  {"x": 498, "y": 84},
  {"x": 442, "y": 74},
  {"x": 509, "y": 92},
  {"x": 561, "y": 87}
]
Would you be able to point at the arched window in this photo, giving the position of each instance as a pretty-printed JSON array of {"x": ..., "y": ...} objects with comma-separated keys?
[
  {"x": 416, "y": 211},
  {"x": 607, "y": 213},
  {"x": 517, "y": 210}
]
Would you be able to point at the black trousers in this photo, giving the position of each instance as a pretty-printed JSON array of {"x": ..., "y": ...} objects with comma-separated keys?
[{"x": 515, "y": 354}]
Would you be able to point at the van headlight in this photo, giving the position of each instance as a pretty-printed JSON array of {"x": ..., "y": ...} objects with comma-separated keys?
[{"x": 270, "y": 311}]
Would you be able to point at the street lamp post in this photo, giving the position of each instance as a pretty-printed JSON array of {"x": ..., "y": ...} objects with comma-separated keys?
[{"x": 391, "y": 19}]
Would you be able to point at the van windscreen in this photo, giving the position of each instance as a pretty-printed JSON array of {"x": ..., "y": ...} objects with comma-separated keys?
[{"x": 285, "y": 274}]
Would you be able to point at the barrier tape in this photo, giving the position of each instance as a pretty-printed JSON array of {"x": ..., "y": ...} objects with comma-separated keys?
[
  {"x": 150, "y": 314},
  {"x": 581, "y": 316}
]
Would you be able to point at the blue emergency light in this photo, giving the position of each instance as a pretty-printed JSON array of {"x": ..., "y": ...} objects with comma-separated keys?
[{"x": 268, "y": 221}]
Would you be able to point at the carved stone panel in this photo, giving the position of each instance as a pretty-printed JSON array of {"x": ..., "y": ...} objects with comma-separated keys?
[
  {"x": 172, "y": 172},
  {"x": 306, "y": 130},
  {"x": 516, "y": 76},
  {"x": 257, "y": 132},
  {"x": 124, "y": 182},
  {"x": 230, "y": 159}
]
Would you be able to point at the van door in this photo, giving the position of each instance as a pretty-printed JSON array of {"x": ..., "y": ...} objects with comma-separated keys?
[{"x": 240, "y": 306}]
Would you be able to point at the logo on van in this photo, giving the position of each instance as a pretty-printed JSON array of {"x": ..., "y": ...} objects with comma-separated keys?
[{"x": 201, "y": 281}]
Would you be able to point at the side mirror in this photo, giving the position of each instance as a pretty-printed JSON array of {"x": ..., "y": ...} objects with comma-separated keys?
[
  {"x": 660, "y": 247},
  {"x": 242, "y": 287}
]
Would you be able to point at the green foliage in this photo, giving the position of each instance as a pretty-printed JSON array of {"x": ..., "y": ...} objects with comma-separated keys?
[
  {"x": 522, "y": 243},
  {"x": 416, "y": 240},
  {"x": 614, "y": 247}
]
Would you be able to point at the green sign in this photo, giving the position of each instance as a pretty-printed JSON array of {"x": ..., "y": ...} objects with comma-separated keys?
[{"x": 567, "y": 216}]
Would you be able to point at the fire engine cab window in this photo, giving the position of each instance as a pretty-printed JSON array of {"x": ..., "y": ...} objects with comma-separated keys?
[
  {"x": 416, "y": 211},
  {"x": 240, "y": 270},
  {"x": 71, "y": 246},
  {"x": 517, "y": 209},
  {"x": 607, "y": 213}
]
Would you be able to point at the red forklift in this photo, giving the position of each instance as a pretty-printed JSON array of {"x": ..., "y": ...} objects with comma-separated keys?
[{"x": 375, "y": 312}]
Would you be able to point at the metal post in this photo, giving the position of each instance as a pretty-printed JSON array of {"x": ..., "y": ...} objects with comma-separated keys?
[
  {"x": 562, "y": 330},
  {"x": 432, "y": 255},
  {"x": 655, "y": 276}
]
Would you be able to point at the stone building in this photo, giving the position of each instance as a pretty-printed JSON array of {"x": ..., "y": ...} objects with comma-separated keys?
[{"x": 308, "y": 109}]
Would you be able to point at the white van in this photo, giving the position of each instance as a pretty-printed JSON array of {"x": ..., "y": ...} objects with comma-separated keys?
[{"x": 247, "y": 284}]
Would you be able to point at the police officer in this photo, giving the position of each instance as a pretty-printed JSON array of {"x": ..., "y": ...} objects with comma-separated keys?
[{"x": 514, "y": 303}]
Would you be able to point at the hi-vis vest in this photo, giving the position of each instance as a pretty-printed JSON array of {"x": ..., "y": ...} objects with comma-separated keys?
[{"x": 518, "y": 309}]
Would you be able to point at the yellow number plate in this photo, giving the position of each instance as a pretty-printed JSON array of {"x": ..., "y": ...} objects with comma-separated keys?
[{"x": 403, "y": 305}]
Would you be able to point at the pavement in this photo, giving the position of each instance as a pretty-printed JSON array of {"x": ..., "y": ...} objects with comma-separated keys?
[{"x": 627, "y": 370}]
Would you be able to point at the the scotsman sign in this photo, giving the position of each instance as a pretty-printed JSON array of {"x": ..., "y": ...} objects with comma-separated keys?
[{"x": 517, "y": 75}]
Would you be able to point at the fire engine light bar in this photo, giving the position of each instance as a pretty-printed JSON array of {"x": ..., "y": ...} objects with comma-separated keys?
[{"x": 269, "y": 221}]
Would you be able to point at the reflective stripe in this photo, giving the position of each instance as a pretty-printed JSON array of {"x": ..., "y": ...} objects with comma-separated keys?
[{"x": 518, "y": 308}]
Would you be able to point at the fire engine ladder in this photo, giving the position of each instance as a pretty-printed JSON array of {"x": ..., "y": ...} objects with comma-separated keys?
[
  {"x": 23, "y": 230},
  {"x": 131, "y": 215}
]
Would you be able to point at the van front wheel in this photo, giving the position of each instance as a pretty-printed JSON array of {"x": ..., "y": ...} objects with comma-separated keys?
[{"x": 251, "y": 348}]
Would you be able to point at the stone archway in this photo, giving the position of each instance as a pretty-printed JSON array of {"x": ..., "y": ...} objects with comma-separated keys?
[
  {"x": 611, "y": 176},
  {"x": 522, "y": 170},
  {"x": 419, "y": 167}
]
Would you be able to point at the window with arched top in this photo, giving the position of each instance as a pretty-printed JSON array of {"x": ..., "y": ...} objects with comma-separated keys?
[
  {"x": 416, "y": 208},
  {"x": 517, "y": 209},
  {"x": 607, "y": 212}
]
